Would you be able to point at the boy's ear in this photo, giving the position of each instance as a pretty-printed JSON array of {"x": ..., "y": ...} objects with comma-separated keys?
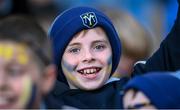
[{"x": 49, "y": 79}]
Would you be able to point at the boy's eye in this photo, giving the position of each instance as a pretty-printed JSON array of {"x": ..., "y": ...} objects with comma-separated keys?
[
  {"x": 100, "y": 47},
  {"x": 74, "y": 50}
]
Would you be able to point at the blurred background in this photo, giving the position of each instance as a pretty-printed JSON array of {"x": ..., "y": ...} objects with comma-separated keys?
[{"x": 141, "y": 24}]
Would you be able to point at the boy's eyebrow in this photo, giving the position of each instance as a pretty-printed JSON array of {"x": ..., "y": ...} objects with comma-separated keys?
[
  {"x": 99, "y": 41},
  {"x": 77, "y": 43},
  {"x": 94, "y": 42}
]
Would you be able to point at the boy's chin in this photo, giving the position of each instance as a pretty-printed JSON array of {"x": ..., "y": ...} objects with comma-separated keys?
[{"x": 91, "y": 87}]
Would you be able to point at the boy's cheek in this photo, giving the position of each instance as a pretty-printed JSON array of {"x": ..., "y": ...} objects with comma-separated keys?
[
  {"x": 70, "y": 59},
  {"x": 109, "y": 60},
  {"x": 68, "y": 67},
  {"x": 68, "y": 70}
]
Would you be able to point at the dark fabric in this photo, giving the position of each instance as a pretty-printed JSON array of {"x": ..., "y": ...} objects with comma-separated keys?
[{"x": 109, "y": 96}]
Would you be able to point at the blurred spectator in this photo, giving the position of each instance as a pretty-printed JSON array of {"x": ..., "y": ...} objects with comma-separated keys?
[
  {"x": 135, "y": 39},
  {"x": 27, "y": 74},
  {"x": 157, "y": 90}
]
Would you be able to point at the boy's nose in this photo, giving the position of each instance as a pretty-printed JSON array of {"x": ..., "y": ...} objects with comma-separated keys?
[{"x": 88, "y": 56}]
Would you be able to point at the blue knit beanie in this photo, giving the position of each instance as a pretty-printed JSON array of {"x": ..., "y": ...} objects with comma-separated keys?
[
  {"x": 72, "y": 21},
  {"x": 163, "y": 89}
]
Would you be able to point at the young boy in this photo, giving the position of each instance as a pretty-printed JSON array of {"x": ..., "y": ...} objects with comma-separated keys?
[
  {"x": 153, "y": 91},
  {"x": 87, "y": 49},
  {"x": 26, "y": 74}
]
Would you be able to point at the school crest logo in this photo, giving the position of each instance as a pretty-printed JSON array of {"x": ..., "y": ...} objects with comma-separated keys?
[{"x": 89, "y": 19}]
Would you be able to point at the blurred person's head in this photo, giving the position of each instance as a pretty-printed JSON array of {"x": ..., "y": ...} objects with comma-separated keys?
[
  {"x": 26, "y": 74},
  {"x": 135, "y": 39},
  {"x": 156, "y": 90}
]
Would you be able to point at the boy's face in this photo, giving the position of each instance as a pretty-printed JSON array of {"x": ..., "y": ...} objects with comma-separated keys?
[
  {"x": 20, "y": 77},
  {"x": 87, "y": 60}
]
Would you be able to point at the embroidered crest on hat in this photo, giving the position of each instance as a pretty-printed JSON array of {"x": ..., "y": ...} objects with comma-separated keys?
[{"x": 89, "y": 19}]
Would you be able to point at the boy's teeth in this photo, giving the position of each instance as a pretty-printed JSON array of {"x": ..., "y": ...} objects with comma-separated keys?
[
  {"x": 92, "y": 70},
  {"x": 89, "y": 71},
  {"x": 85, "y": 71},
  {"x": 81, "y": 71}
]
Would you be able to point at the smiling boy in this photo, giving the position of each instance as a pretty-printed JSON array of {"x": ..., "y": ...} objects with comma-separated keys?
[
  {"x": 87, "y": 50},
  {"x": 26, "y": 74}
]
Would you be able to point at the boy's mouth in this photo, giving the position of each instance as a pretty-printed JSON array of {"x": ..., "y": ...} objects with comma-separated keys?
[{"x": 90, "y": 72}]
